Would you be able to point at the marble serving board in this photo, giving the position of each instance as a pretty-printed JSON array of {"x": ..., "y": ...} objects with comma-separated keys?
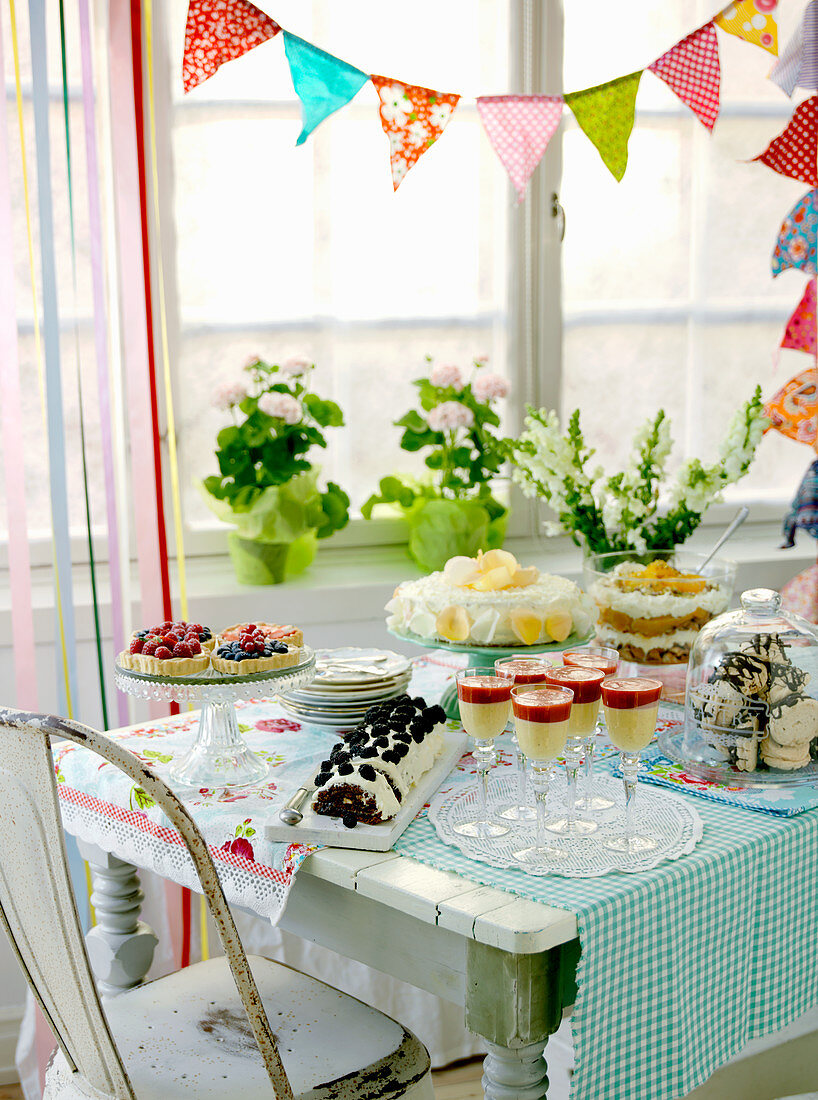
[{"x": 316, "y": 829}]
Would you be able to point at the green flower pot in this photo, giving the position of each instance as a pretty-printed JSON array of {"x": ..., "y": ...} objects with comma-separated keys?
[
  {"x": 443, "y": 529},
  {"x": 256, "y": 561}
]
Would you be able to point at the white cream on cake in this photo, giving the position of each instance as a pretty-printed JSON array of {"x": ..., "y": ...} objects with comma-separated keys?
[{"x": 491, "y": 600}]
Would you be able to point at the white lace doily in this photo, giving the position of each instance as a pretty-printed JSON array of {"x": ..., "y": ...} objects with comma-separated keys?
[{"x": 671, "y": 820}]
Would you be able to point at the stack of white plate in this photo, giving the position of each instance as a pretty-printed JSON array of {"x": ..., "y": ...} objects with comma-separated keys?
[{"x": 347, "y": 683}]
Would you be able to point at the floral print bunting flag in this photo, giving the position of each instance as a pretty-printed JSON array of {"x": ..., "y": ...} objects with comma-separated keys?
[
  {"x": 797, "y": 244},
  {"x": 519, "y": 128},
  {"x": 693, "y": 71},
  {"x": 606, "y": 114},
  {"x": 752, "y": 20},
  {"x": 794, "y": 152},
  {"x": 218, "y": 31},
  {"x": 791, "y": 410},
  {"x": 802, "y": 327},
  {"x": 413, "y": 118}
]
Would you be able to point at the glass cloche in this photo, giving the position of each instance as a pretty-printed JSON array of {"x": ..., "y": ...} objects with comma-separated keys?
[{"x": 751, "y": 712}]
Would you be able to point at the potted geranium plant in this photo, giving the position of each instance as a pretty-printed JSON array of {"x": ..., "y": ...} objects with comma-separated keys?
[
  {"x": 632, "y": 510},
  {"x": 453, "y": 510},
  {"x": 267, "y": 487}
]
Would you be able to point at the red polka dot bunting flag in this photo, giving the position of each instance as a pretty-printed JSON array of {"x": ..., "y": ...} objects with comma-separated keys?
[
  {"x": 794, "y": 152},
  {"x": 802, "y": 328},
  {"x": 218, "y": 31},
  {"x": 693, "y": 71},
  {"x": 413, "y": 118},
  {"x": 519, "y": 128}
]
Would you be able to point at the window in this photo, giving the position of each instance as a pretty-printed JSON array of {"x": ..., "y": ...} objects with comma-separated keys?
[{"x": 668, "y": 295}]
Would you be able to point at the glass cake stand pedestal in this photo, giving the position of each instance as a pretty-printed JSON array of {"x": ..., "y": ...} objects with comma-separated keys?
[
  {"x": 219, "y": 756},
  {"x": 484, "y": 656}
]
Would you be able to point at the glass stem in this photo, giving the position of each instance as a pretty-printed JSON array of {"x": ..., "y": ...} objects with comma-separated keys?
[
  {"x": 522, "y": 785},
  {"x": 539, "y": 781},
  {"x": 484, "y": 757},
  {"x": 589, "y": 765},
  {"x": 571, "y": 772},
  {"x": 630, "y": 777}
]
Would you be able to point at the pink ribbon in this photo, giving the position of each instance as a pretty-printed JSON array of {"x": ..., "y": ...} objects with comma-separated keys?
[{"x": 11, "y": 424}]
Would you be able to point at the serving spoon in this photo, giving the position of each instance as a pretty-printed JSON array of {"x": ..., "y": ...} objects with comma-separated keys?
[{"x": 739, "y": 518}]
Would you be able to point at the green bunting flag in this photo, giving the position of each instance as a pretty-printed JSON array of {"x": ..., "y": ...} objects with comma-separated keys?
[
  {"x": 606, "y": 114},
  {"x": 322, "y": 82}
]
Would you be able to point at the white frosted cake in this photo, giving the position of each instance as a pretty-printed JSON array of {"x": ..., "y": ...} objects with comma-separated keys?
[{"x": 491, "y": 600}]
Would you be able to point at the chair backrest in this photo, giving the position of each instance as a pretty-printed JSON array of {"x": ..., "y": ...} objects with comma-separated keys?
[{"x": 39, "y": 913}]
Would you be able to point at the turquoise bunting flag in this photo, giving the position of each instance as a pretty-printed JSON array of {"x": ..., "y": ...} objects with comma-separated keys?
[{"x": 322, "y": 82}]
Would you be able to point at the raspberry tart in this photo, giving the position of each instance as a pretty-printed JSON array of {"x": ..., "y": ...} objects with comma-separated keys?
[
  {"x": 253, "y": 652},
  {"x": 289, "y": 634},
  {"x": 171, "y": 649}
]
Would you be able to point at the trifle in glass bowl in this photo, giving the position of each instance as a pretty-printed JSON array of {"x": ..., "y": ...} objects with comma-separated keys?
[{"x": 653, "y": 605}]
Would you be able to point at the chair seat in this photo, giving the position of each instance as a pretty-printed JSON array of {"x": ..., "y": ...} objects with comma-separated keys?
[{"x": 187, "y": 1035}]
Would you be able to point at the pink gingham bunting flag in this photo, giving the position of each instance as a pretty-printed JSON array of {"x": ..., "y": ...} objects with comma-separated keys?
[
  {"x": 519, "y": 128},
  {"x": 798, "y": 65},
  {"x": 693, "y": 71}
]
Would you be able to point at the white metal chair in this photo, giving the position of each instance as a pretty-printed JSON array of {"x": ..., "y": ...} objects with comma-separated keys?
[{"x": 249, "y": 1028}]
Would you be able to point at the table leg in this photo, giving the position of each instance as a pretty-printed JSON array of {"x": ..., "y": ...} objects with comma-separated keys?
[
  {"x": 120, "y": 945},
  {"x": 515, "y": 1002}
]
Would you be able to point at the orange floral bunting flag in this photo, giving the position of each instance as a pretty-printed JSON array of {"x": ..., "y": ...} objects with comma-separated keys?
[
  {"x": 219, "y": 31},
  {"x": 413, "y": 118},
  {"x": 792, "y": 409},
  {"x": 752, "y": 20}
]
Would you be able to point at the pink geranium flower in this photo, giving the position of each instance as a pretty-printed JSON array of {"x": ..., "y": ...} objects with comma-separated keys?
[
  {"x": 489, "y": 387},
  {"x": 446, "y": 375}
]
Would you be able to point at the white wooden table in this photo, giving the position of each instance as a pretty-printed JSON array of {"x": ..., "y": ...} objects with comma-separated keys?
[{"x": 508, "y": 961}]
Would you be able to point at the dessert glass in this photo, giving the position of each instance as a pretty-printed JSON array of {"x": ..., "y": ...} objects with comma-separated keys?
[
  {"x": 631, "y": 708},
  {"x": 485, "y": 706},
  {"x": 606, "y": 660},
  {"x": 525, "y": 672},
  {"x": 541, "y": 718},
  {"x": 586, "y": 684}
]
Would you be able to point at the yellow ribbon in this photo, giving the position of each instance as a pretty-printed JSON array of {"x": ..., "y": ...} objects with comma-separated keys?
[
  {"x": 38, "y": 350},
  {"x": 163, "y": 322}
]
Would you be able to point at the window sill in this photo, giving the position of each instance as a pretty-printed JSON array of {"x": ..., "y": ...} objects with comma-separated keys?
[{"x": 351, "y": 585}]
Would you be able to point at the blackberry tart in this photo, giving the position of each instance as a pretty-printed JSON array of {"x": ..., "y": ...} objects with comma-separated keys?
[
  {"x": 368, "y": 776},
  {"x": 253, "y": 652}
]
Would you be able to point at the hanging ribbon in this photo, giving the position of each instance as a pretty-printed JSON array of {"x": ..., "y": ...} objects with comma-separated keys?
[
  {"x": 134, "y": 324},
  {"x": 802, "y": 328},
  {"x": 322, "y": 82},
  {"x": 101, "y": 341},
  {"x": 218, "y": 31},
  {"x": 11, "y": 425},
  {"x": 606, "y": 114},
  {"x": 173, "y": 459},
  {"x": 797, "y": 243},
  {"x": 80, "y": 402},
  {"x": 794, "y": 152},
  {"x": 693, "y": 71},
  {"x": 413, "y": 118},
  {"x": 519, "y": 128},
  {"x": 65, "y": 629},
  {"x": 752, "y": 20}
]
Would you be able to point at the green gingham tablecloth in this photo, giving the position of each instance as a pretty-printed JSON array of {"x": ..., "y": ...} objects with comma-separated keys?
[{"x": 682, "y": 965}]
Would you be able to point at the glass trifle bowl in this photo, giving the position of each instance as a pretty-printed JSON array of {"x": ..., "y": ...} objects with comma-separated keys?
[{"x": 653, "y": 605}]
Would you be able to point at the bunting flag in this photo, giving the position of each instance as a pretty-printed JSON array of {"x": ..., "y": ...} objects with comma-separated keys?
[
  {"x": 798, "y": 65},
  {"x": 693, "y": 71},
  {"x": 519, "y": 128},
  {"x": 606, "y": 113},
  {"x": 413, "y": 118},
  {"x": 791, "y": 410},
  {"x": 797, "y": 244},
  {"x": 794, "y": 152},
  {"x": 322, "y": 82},
  {"x": 752, "y": 20},
  {"x": 802, "y": 328},
  {"x": 218, "y": 31}
]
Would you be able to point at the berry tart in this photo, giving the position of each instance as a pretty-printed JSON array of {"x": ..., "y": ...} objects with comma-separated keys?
[
  {"x": 289, "y": 634},
  {"x": 171, "y": 649},
  {"x": 253, "y": 652}
]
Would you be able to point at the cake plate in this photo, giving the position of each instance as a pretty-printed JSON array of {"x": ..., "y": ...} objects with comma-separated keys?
[
  {"x": 484, "y": 656},
  {"x": 696, "y": 759},
  {"x": 219, "y": 756}
]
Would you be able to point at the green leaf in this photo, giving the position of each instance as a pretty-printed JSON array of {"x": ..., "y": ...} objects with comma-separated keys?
[
  {"x": 142, "y": 799},
  {"x": 412, "y": 420},
  {"x": 249, "y": 831},
  {"x": 244, "y": 728},
  {"x": 159, "y": 757},
  {"x": 229, "y": 437},
  {"x": 325, "y": 413}
]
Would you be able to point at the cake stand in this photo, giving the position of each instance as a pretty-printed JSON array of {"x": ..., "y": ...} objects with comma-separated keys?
[
  {"x": 484, "y": 656},
  {"x": 219, "y": 756}
]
